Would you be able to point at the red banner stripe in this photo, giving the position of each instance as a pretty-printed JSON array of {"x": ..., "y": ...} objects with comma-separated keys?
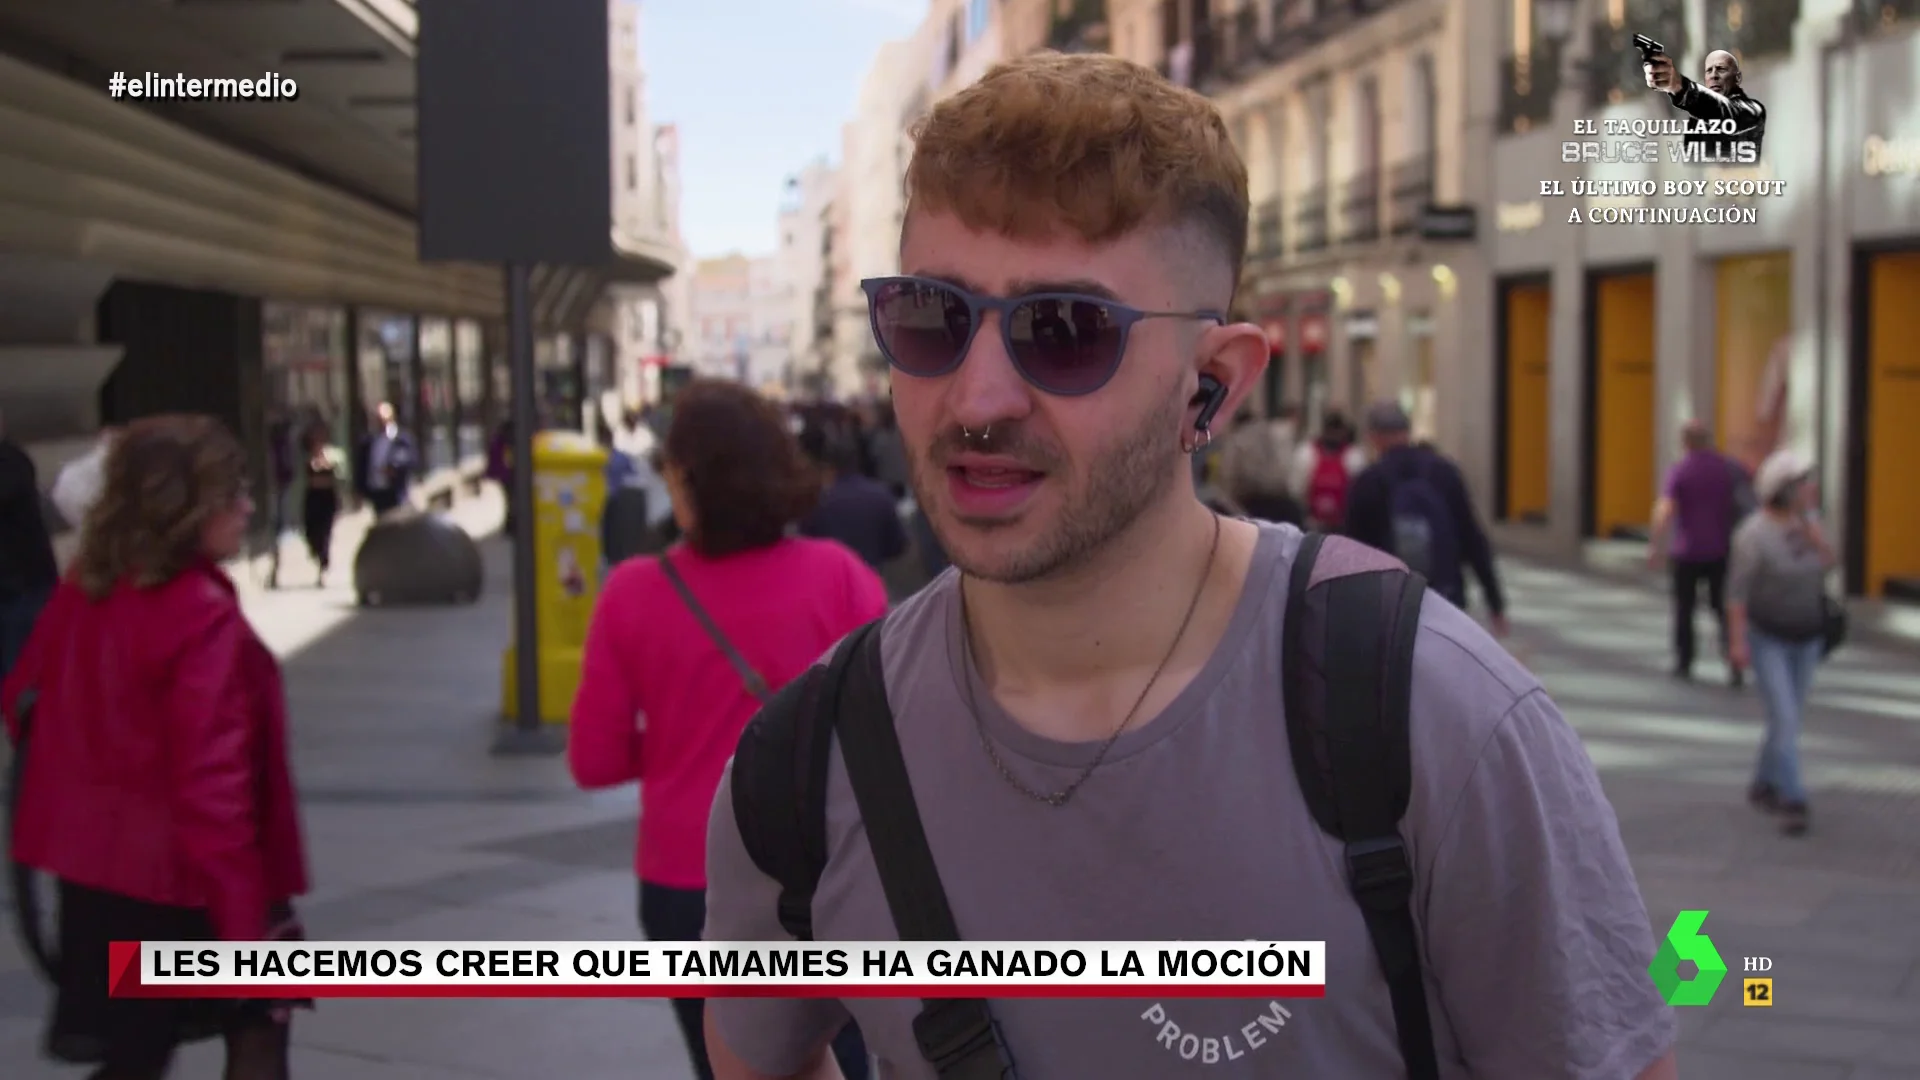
[{"x": 386, "y": 990}]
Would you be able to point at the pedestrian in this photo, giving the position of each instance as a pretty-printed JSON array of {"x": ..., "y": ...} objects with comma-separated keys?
[
  {"x": 324, "y": 470},
  {"x": 1413, "y": 504},
  {"x": 155, "y": 784},
  {"x": 283, "y": 439},
  {"x": 1693, "y": 522},
  {"x": 385, "y": 466},
  {"x": 854, "y": 510},
  {"x": 889, "y": 456},
  {"x": 27, "y": 567},
  {"x": 1323, "y": 471},
  {"x": 683, "y": 648},
  {"x": 1085, "y": 733},
  {"x": 1255, "y": 467},
  {"x": 1777, "y": 620}
]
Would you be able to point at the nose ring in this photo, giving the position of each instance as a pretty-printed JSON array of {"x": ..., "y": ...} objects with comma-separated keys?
[{"x": 985, "y": 433}]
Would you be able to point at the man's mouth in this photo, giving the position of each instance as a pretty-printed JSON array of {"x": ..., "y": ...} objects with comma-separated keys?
[
  {"x": 985, "y": 487},
  {"x": 994, "y": 476}
]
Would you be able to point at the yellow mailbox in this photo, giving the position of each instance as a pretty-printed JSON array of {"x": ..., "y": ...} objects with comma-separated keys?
[{"x": 569, "y": 492}]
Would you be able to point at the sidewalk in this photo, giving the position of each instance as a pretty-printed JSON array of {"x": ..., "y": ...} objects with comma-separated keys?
[
  {"x": 417, "y": 833},
  {"x": 1624, "y": 562},
  {"x": 1837, "y": 911}
]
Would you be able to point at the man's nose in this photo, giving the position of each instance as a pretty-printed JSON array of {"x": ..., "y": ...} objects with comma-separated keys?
[{"x": 987, "y": 387}]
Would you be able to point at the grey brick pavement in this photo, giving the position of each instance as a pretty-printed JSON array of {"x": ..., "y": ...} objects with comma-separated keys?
[{"x": 418, "y": 833}]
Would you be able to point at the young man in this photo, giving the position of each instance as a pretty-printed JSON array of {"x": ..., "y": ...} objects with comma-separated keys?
[{"x": 1090, "y": 710}]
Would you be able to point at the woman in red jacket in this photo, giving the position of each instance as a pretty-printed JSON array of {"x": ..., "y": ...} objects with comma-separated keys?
[{"x": 156, "y": 787}]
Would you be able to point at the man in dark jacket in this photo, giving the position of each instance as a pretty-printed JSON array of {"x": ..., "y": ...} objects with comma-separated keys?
[
  {"x": 27, "y": 568},
  {"x": 1413, "y": 503},
  {"x": 855, "y": 509},
  {"x": 1718, "y": 104},
  {"x": 384, "y": 468}
]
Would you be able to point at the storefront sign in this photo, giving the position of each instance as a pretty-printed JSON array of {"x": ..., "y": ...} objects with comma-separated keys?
[
  {"x": 1519, "y": 217},
  {"x": 1882, "y": 156},
  {"x": 1276, "y": 331},
  {"x": 1447, "y": 223},
  {"x": 1313, "y": 332},
  {"x": 1363, "y": 324}
]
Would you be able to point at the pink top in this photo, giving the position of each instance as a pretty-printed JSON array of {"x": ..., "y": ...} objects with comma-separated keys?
[{"x": 647, "y": 656}]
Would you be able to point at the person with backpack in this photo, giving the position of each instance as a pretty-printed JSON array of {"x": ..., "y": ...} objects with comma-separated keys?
[
  {"x": 1255, "y": 467},
  {"x": 1412, "y": 503},
  {"x": 1323, "y": 472},
  {"x": 1705, "y": 496},
  {"x": 683, "y": 647},
  {"x": 1124, "y": 717}
]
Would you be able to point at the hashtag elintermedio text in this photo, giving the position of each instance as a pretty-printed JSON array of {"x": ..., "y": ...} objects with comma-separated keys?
[{"x": 272, "y": 86}]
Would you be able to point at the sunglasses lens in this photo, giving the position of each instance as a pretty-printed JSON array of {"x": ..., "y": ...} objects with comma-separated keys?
[
  {"x": 1066, "y": 346},
  {"x": 922, "y": 326}
]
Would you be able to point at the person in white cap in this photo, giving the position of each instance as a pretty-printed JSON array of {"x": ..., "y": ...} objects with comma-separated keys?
[
  {"x": 1776, "y": 618},
  {"x": 77, "y": 486}
]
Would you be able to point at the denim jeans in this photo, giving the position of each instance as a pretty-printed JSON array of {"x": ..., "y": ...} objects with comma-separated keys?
[{"x": 1783, "y": 672}]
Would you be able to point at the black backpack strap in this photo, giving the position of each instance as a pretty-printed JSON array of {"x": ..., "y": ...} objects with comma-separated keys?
[
  {"x": 780, "y": 783},
  {"x": 1348, "y": 679},
  {"x": 957, "y": 1036}
]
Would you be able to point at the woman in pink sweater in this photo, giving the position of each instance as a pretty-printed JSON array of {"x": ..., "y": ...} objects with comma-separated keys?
[{"x": 661, "y": 700}]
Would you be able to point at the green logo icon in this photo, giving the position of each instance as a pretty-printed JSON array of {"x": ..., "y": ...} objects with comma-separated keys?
[{"x": 1684, "y": 941}]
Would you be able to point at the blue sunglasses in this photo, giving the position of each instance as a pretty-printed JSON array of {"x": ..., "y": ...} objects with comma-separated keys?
[{"x": 1063, "y": 343}]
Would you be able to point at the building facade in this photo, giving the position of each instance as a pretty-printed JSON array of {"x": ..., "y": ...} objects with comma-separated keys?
[
  {"x": 719, "y": 317},
  {"x": 876, "y": 166},
  {"x": 676, "y": 292},
  {"x": 850, "y": 371},
  {"x": 805, "y": 252},
  {"x": 740, "y": 319},
  {"x": 1793, "y": 329},
  {"x": 1353, "y": 258}
]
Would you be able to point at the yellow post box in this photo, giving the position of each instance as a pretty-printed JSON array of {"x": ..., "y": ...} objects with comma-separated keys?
[{"x": 569, "y": 492}]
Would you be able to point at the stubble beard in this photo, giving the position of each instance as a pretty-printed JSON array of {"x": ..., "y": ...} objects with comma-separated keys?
[{"x": 1125, "y": 480}]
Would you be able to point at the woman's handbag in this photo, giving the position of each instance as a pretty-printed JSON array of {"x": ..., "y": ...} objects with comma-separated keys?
[
  {"x": 1833, "y": 627},
  {"x": 26, "y": 880}
]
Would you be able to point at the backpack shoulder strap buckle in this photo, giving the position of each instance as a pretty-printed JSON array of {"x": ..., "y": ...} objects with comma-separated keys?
[
  {"x": 961, "y": 1040},
  {"x": 1379, "y": 873}
]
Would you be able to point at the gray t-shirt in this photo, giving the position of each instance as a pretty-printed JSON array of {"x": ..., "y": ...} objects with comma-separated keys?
[
  {"x": 1775, "y": 570},
  {"x": 1536, "y": 941}
]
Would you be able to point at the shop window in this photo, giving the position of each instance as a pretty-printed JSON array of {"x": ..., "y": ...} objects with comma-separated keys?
[
  {"x": 435, "y": 427},
  {"x": 385, "y": 356},
  {"x": 1613, "y": 68},
  {"x": 1879, "y": 15},
  {"x": 304, "y": 354},
  {"x": 469, "y": 383},
  {"x": 1751, "y": 29},
  {"x": 1529, "y": 72}
]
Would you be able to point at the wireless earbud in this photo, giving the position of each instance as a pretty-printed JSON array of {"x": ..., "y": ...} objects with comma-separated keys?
[{"x": 1212, "y": 395}]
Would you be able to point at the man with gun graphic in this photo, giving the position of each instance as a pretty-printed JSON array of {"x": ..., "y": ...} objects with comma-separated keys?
[{"x": 1727, "y": 116}]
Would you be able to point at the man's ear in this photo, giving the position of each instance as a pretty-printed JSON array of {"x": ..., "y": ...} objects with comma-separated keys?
[{"x": 1237, "y": 355}]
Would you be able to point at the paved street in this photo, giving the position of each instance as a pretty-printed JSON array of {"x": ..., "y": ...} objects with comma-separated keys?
[{"x": 418, "y": 833}]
